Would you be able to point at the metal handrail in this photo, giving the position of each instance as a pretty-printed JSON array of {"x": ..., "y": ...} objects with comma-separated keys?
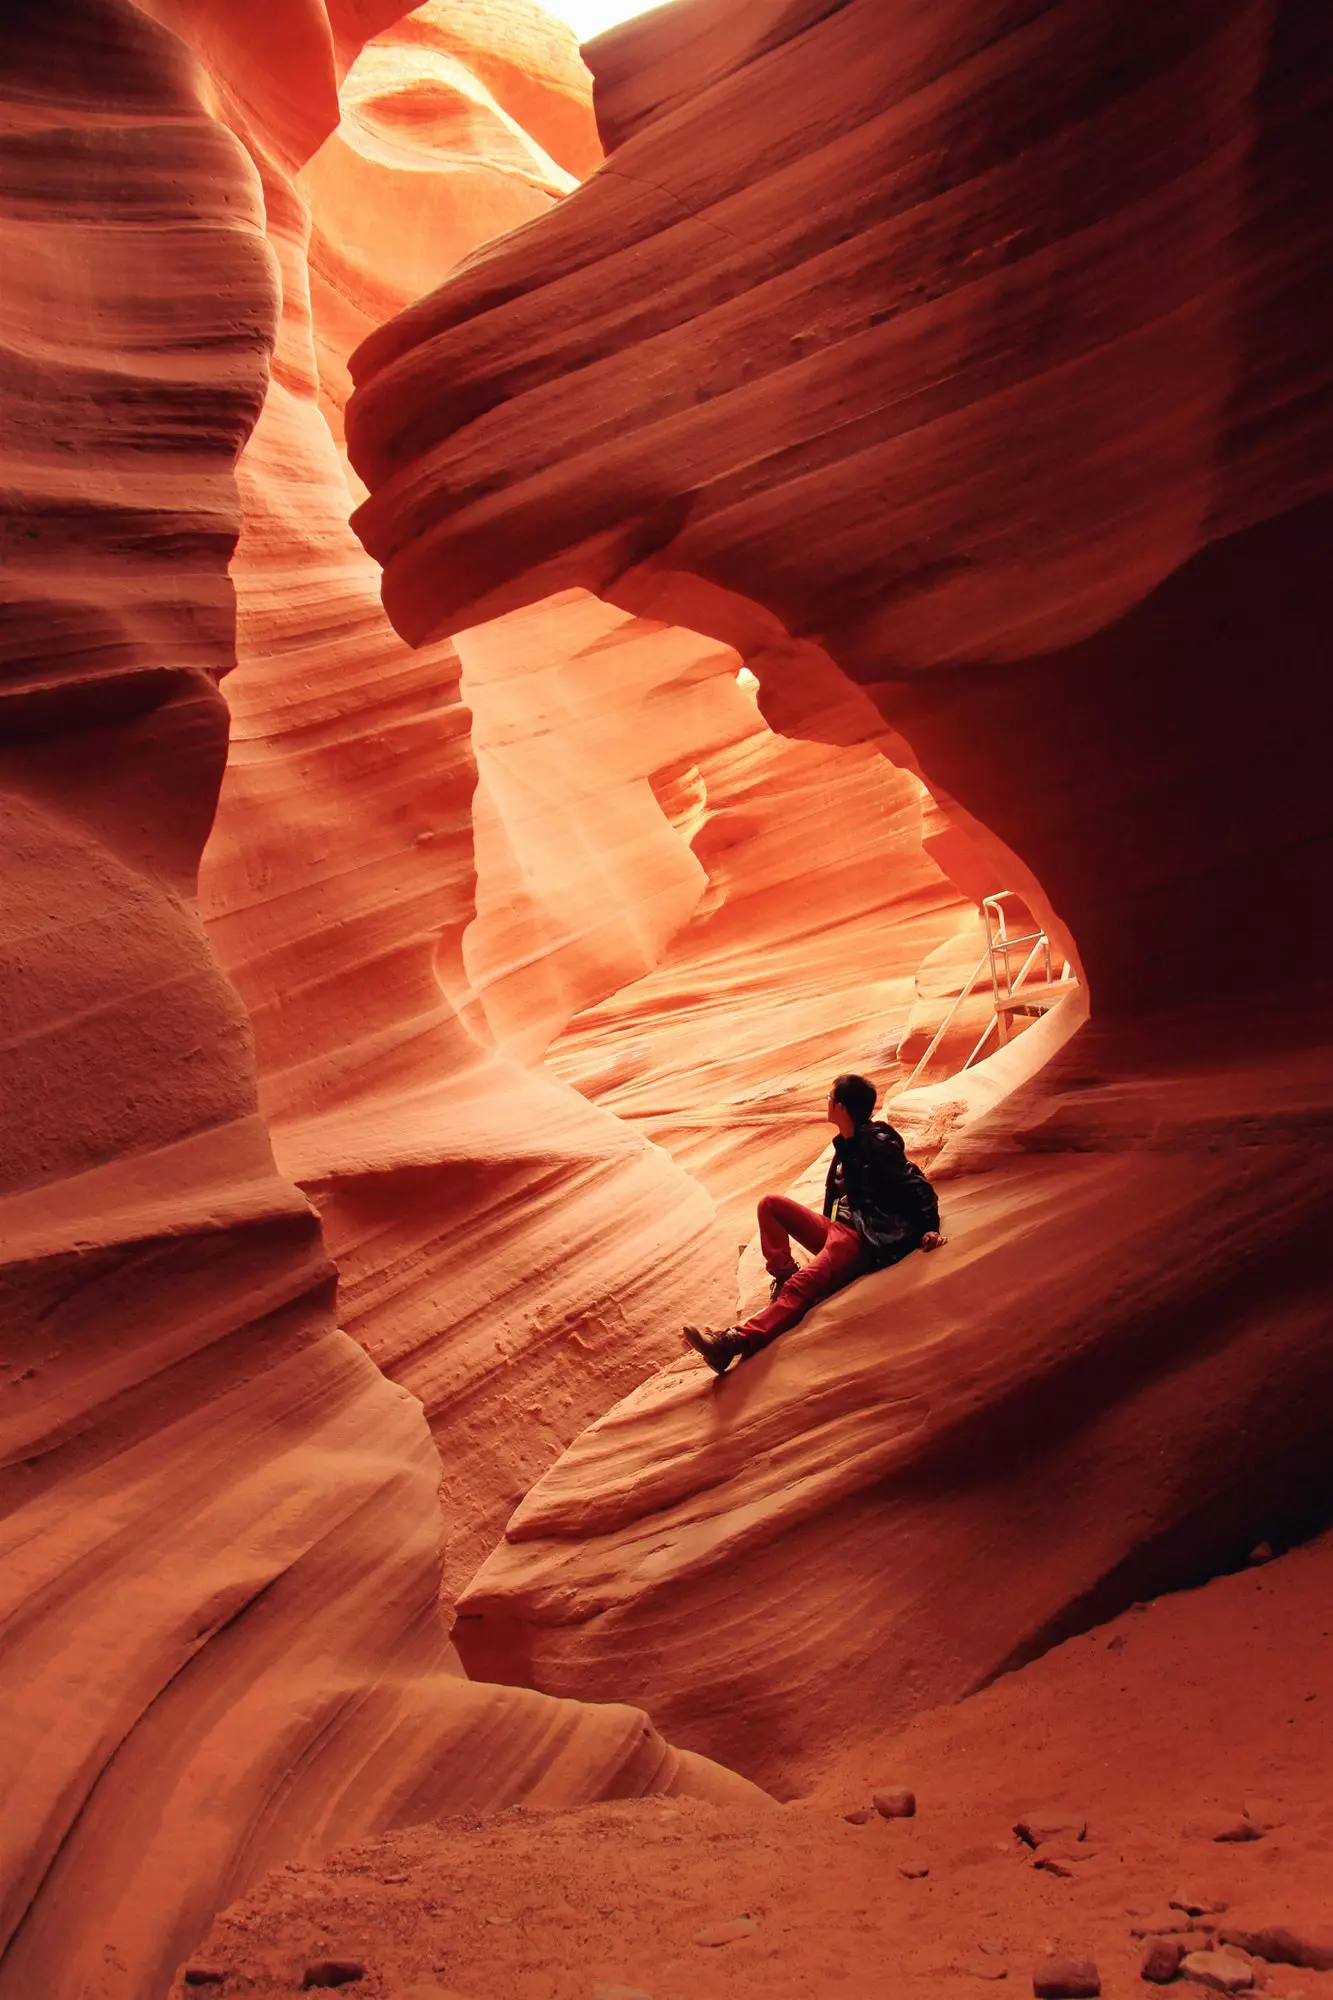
[
  {"x": 1000, "y": 947},
  {"x": 996, "y": 948},
  {"x": 994, "y": 1020},
  {"x": 939, "y": 1034}
]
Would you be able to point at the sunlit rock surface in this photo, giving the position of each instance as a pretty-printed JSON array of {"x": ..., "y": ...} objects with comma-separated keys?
[
  {"x": 515, "y": 1257},
  {"x": 801, "y": 961},
  {"x": 957, "y": 348},
  {"x": 972, "y": 380},
  {"x": 221, "y": 1526}
]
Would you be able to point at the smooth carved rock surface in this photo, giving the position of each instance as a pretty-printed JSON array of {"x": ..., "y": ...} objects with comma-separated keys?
[
  {"x": 512, "y": 1255},
  {"x": 457, "y": 123},
  {"x": 800, "y": 961},
  {"x": 958, "y": 1460},
  {"x": 967, "y": 370},
  {"x": 220, "y": 1523},
  {"x": 957, "y": 341}
]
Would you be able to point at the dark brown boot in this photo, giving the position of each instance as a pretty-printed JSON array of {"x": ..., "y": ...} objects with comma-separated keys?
[{"x": 719, "y": 1346}]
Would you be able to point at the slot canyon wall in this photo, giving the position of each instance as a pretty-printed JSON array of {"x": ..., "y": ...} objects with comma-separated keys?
[
  {"x": 972, "y": 381},
  {"x": 222, "y": 1523}
]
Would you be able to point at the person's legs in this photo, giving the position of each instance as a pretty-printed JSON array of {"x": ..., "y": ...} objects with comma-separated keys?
[
  {"x": 781, "y": 1219},
  {"x": 842, "y": 1258}
]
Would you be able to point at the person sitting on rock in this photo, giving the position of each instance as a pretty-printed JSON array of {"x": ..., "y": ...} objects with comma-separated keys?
[{"x": 878, "y": 1207}]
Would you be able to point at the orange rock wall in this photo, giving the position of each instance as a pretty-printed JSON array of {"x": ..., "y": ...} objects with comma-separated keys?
[
  {"x": 512, "y": 1256},
  {"x": 220, "y": 1522},
  {"x": 968, "y": 372},
  {"x": 952, "y": 348}
]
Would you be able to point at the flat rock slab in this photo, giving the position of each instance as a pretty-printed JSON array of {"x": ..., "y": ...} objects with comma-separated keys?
[
  {"x": 1163, "y": 1923},
  {"x": 1063, "y": 1857},
  {"x": 1037, "y": 1828},
  {"x": 1066, "y": 1979},
  {"x": 1224, "y": 1971},
  {"x": 1283, "y": 1944},
  {"x": 1196, "y": 1903}
]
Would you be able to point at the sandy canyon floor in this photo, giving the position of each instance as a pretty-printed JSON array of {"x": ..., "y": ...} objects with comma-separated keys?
[{"x": 1154, "y": 1729}]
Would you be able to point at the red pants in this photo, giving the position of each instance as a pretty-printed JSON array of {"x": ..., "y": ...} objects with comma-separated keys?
[{"x": 840, "y": 1256}]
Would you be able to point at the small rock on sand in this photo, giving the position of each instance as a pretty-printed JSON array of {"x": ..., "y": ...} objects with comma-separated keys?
[
  {"x": 1036, "y": 1828},
  {"x": 1225, "y": 1971},
  {"x": 860, "y": 1816},
  {"x": 1063, "y": 1857},
  {"x": 1283, "y": 1944},
  {"x": 729, "y": 1932},
  {"x": 1232, "y": 1827},
  {"x": 1161, "y": 1961},
  {"x": 913, "y": 1874},
  {"x": 1195, "y": 1903},
  {"x": 895, "y": 1802},
  {"x": 1066, "y": 1979},
  {"x": 333, "y": 1972}
]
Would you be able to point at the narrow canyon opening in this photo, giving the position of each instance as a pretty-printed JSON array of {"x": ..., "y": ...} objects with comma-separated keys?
[{"x": 559, "y": 848}]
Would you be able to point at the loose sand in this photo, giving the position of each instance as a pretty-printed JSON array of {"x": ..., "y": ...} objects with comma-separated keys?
[{"x": 1153, "y": 1729}]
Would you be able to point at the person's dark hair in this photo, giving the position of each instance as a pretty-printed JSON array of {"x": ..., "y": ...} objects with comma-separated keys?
[{"x": 857, "y": 1095}]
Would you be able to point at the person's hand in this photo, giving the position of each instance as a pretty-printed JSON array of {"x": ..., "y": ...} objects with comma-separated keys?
[{"x": 932, "y": 1240}]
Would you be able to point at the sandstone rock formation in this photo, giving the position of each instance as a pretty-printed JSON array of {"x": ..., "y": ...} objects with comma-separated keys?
[
  {"x": 512, "y": 1256},
  {"x": 959, "y": 349},
  {"x": 221, "y": 1524},
  {"x": 972, "y": 380},
  {"x": 801, "y": 961},
  {"x": 947, "y": 1901}
]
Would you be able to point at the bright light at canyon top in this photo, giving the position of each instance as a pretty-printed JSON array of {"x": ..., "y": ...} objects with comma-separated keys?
[{"x": 589, "y": 17}]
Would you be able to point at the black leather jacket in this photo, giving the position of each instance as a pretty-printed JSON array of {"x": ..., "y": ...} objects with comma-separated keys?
[{"x": 892, "y": 1205}]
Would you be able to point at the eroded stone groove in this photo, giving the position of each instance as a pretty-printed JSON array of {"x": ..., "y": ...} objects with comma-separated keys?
[
  {"x": 971, "y": 379},
  {"x": 221, "y": 1522}
]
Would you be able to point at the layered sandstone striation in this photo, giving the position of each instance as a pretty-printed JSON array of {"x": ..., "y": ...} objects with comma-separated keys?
[
  {"x": 952, "y": 1898},
  {"x": 221, "y": 1521},
  {"x": 960, "y": 350},
  {"x": 971, "y": 380},
  {"x": 801, "y": 960},
  {"x": 396, "y": 923}
]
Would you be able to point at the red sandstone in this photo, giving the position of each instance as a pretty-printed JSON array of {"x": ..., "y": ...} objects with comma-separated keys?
[{"x": 964, "y": 371}]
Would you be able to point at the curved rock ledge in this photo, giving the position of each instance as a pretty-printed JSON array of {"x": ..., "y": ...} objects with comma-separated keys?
[
  {"x": 1076, "y": 1403},
  {"x": 219, "y": 1521}
]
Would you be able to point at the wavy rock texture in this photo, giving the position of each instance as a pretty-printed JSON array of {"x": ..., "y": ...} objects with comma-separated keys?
[
  {"x": 513, "y": 1256},
  {"x": 220, "y": 1523},
  {"x": 457, "y": 123},
  {"x": 1072, "y": 1406},
  {"x": 969, "y": 373},
  {"x": 950, "y": 347},
  {"x": 800, "y": 961}
]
